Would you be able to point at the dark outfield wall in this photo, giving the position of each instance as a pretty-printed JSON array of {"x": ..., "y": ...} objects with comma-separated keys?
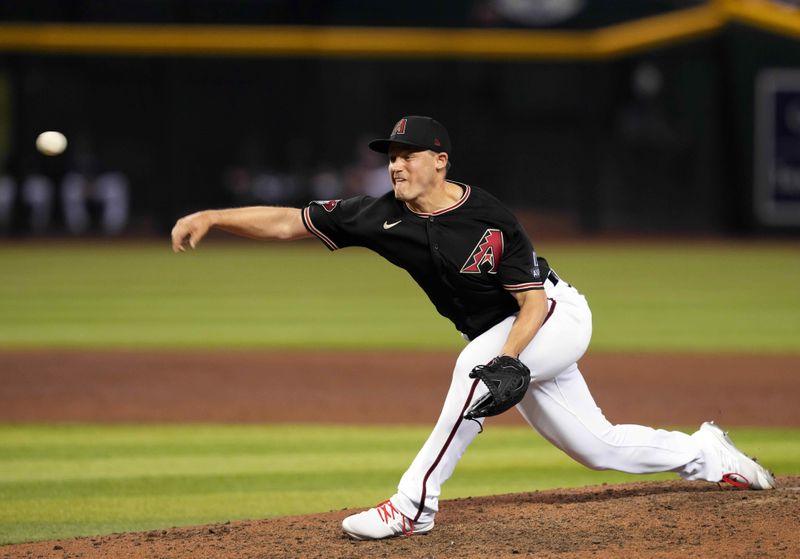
[
  {"x": 576, "y": 14},
  {"x": 657, "y": 142}
]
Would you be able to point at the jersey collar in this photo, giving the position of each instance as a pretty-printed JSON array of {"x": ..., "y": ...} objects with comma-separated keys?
[{"x": 461, "y": 202}]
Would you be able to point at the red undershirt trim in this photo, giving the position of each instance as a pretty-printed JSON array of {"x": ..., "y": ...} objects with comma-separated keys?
[
  {"x": 458, "y": 204},
  {"x": 313, "y": 230}
]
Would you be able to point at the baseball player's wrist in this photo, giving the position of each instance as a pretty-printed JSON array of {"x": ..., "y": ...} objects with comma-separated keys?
[{"x": 212, "y": 218}]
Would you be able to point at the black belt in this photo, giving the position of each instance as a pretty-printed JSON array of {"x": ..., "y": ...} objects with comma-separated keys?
[{"x": 554, "y": 279}]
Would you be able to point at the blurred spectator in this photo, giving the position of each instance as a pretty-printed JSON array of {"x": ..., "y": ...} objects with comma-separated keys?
[
  {"x": 107, "y": 191},
  {"x": 326, "y": 184},
  {"x": 644, "y": 120},
  {"x": 37, "y": 193},
  {"x": 8, "y": 195},
  {"x": 86, "y": 191},
  {"x": 648, "y": 147},
  {"x": 368, "y": 174},
  {"x": 253, "y": 181}
]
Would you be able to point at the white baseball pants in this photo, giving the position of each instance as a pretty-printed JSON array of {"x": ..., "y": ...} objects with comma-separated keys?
[{"x": 558, "y": 405}]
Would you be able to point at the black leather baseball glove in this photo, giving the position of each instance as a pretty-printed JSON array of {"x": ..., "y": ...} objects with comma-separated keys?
[{"x": 507, "y": 379}]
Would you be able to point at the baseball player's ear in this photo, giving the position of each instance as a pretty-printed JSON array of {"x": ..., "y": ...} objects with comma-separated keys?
[{"x": 441, "y": 161}]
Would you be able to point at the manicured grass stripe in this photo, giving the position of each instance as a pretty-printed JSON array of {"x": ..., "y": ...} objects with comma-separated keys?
[
  {"x": 70, "y": 480},
  {"x": 687, "y": 297}
]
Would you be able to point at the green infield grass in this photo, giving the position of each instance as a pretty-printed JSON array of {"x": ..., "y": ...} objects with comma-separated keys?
[
  {"x": 645, "y": 297},
  {"x": 72, "y": 480}
]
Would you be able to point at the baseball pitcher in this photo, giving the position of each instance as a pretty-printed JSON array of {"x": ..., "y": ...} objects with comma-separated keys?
[{"x": 526, "y": 328}]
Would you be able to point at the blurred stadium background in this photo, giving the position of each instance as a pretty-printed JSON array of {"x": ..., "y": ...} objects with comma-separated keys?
[
  {"x": 660, "y": 116},
  {"x": 606, "y": 122}
]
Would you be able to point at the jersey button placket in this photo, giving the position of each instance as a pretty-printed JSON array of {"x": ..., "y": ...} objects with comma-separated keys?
[{"x": 433, "y": 243}]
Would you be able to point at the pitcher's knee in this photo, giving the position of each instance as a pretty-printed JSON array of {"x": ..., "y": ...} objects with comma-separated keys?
[{"x": 598, "y": 455}]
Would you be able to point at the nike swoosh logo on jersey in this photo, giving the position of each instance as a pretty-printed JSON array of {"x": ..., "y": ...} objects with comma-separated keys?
[{"x": 387, "y": 225}]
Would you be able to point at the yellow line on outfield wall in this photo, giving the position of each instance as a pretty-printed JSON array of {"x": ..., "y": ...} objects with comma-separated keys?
[
  {"x": 656, "y": 31},
  {"x": 287, "y": 41},
  {"x": 355, "y": 41},
  {"x": 771, "y": 16}
]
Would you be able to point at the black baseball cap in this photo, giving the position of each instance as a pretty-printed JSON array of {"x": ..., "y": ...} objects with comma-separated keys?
[{"x": 416, "y": 131}]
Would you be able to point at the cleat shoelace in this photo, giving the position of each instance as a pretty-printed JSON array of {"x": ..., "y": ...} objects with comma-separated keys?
[{"x": 387, "y": 513}]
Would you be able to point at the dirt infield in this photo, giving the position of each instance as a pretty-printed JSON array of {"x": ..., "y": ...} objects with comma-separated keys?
[
  {"x": 655, "y": 519},
  {"x": 373, "y": 387}
]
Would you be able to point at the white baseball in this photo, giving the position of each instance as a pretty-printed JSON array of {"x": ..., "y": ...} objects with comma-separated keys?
[{"x": 51, "y": 142}]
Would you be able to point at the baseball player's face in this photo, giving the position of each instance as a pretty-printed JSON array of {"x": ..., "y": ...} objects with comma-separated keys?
[{"x": 413, "y": 171}]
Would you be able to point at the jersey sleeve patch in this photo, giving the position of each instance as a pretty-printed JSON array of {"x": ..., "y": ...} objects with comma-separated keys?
[
  {"x": 316, "y": 232},
  {"x": 328, "y": 205}
]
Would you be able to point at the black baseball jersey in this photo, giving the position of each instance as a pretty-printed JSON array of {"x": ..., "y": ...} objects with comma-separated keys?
[{"x": 467, "y": 258}]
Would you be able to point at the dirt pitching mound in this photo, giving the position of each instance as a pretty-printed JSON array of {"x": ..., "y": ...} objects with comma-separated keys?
[{"x": 651, "y": 519}]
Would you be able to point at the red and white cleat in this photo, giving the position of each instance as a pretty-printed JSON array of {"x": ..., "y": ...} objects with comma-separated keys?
[
  {"x": 739, "y": 470},
  {"x": 382, "y": 521}
]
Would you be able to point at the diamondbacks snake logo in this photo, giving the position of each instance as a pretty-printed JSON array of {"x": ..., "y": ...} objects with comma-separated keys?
[{"x": 488, "y": 250}]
